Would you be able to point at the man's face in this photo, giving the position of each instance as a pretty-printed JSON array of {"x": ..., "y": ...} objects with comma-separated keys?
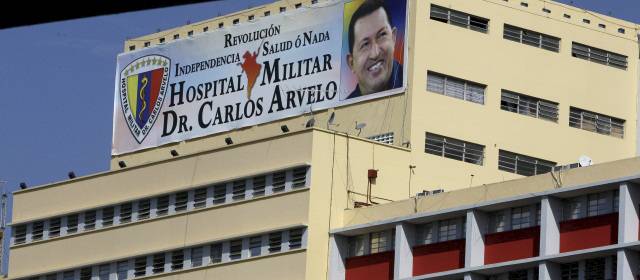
[{"x": 371, "y": 59}]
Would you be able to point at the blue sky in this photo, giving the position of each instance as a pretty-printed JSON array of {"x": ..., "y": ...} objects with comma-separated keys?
[{"x": 57, "y": 85}]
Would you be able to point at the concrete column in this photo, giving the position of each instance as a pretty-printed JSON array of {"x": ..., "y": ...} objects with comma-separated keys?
[
  {"x": 550, "y": 217},
  {"x": 628, "y": 213},
  {"x": 403, "y": 259},
  {"x": 627, "y": 264},
  {"x": 472, "y": 276},
  {"x": 549, "y": 271},
  {"x": 476, "y": 229},
  {"x": 338, "y": 252}
]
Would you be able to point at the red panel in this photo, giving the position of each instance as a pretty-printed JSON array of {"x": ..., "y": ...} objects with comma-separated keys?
[
  {"x": 512, "y": 245},
  {"x": 437, "y": 257},
  {"x": 371, "y": 267},
  {"x": 589, "y": 232}
]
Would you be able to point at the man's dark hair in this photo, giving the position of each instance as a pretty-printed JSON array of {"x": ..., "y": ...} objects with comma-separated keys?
[{"x": 367, "y": 8}]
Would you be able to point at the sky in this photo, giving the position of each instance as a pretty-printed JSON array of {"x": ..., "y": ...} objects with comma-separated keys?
[{"x": 57, "y": 85}]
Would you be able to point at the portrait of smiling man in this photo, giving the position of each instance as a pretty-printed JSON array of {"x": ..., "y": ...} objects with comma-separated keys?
[{"x": 372, "y": 42}]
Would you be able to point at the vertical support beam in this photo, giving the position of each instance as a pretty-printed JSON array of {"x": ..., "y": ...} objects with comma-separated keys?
[
  {"x": 628, "y": 213},
  {"x": 472, "y": 276},
  {"x": 550, "y": 217},
  {"x": 338, "y": 250},
  {"x": 549, "y": 271},
  {"x": 627, "y": 264},
  {"x": 403, "y": 259},
  {"x": 476, "y": 229}
]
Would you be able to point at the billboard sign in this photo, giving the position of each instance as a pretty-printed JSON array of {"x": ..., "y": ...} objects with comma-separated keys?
[{"x": 276, "y": 67}]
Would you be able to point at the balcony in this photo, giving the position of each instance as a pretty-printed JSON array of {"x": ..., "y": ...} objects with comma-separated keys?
[
  {"x": 588, "y": 232},
  {"x": 377, "y": 266},
  {"x": 512, "y": 245},
  {"x": 438, "y": 257}
]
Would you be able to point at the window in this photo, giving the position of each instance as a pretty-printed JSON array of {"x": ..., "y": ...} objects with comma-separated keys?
[
  {"x": 454, "y": 148},
  {"x": 196, "y": 256},
  {"x": 601, "y": 25},
  {"x": 200, "y": 198},
  {"x": 236, "y": 21},
  {"x": 283, "y": 9},
  {"x": 146, "y": 44},
  {"x": 140, "y": 267},
  {"x": 523, "y": 165},
  {"x": 380, "y": 241},
  {"x": 161, "y": 40},
  {"x": 267, "y": 13},
  {"x": 221, "y": 25},
  {"x": 19, "y": 234},
  {"x": 72, "y": 223},
  {"x": 177, "y": 260},
  {"x": 456, "y": 88},
  {"x": 295, "y": 238},
  {"x": 299, "y": 177},
  {"x": 37, "y": 231},
  {"x": 386, "y": 138},
  {"x": 162, "y": 207},
  {"x": 89, "y": 220},
  {"x": 275, "y": 242},
  {"x": 125, "y": 212},
  {"x": 587, "y": 21},
  {"x": 595, "y": 122},
  {"x": 132, "y": 48},
  {"x": 144, "y": 209},
  {"x": 596, "y": 204},
  {"x": 567, "y": 16},
  {"x": 239, "y": 190},
  {"x": 107, "y": 216},
  {"x": 205, "y": 29},
  {"x": 461, "y": 19},
  {"x": 68, "y": 275},
  {"x": 219, "y": 194},
  {"x": 599, "y": 56},
  {"x": 621, "y": 30},
  {"x": 529, "y": 106},
  {"x": 497, "y": 221},
  {"x": 103, "y": 272},
  {"x": 594, "y": 269},
  {"x": 546, "y": 10},
  {"x": 251, "y": 17},
  {"x": 259, "y": 184},
  {"x": 520, "y": 217},
  {"x": 216, "y": 253},
  {"x": 519, "y": 275},
  {"x": 181, "y": 201},
  {"x": 425, "y": 234},
  {"x": 298, "y": 6},
  {"x": 616, "y": 201},
  {"x": 54, "y": 227},
  {"x": 235, "y": 249},
  {"x": 123, "y": 270},
  {"x": 255, "y": 246},
  {"x": 314, "y": 2},
  {"x": 158, "y": 263},
  {"x": 279, "y": 179},
  {"x": 176, "y": 36},
  {"x": 524, "y": 4},
  {"x": 448, "y": 230},
  {"x": 190, "y": 33},
  {"x": 531, "y": 38},
  {"x": 574, "y": 209},
  {"x": 356, "y": 246}
]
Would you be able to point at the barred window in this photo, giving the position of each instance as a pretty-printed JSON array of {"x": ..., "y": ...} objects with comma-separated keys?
[
  {"x": 19, "y": 234},
  {"x": 90, "y": 220},
  {"x": 72, "y": 223},
  {"x": 200, "y": 198},
  {"x": 596, "y": 204},
  {"x": 162, "y": 207},
  {"x": 216, "y": 253},
  {"x": 196, "y": 256},
  {"x": 454, "y": 148},
  {"x": 125, "y": 212},
  {"x": 54, "y": 227},
  {"x": 122, "y": 270},
  {"x": 140, "y": 267},
  {"x": 385, "y": 138},
  {"x": 275, "y": 242},
  {"x": 458, "y": 18},
  {"x": 529, "y": 106},
  {"x": 219, "y": 193},
  {"x": 595, "y": 269},
  {"x": 103, "y": 272},
  {"x": 37, "y": 231},
  {"x": 238, "y": 190},
  {"x": 523, "y": 165},
  {"x": 295, "y": 238},
  {"x": 356, "y": 246},
  {"x": 158, "y": 263},
  {"x": 299, "y": 177},
  {"x": 177, "y": 260},
  {"x": 255, "y": 246},
  {"x": 455, "y": 87},
  {"x": 381, "y": 241},
  {"x": 599, "y": 56},
  {"x": 259, "y": 184},
  {"x": 144, "y": 209},
  {"x": 235, "y": 249},
  {"x": 520, "y": 217},
  {"x": 595, "y": 122},
  {"x": 279, "y": 179},
  {"x": 181, "y": 201},
  {"x": 107, "y": 216},
  {"x": 531, "y": 38},
  {"x": 448, "y": 230},
  {"x": 497, "y": 221},
  {"x": 425, "y": 234},
  {"x": 573, "y": 209}
]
